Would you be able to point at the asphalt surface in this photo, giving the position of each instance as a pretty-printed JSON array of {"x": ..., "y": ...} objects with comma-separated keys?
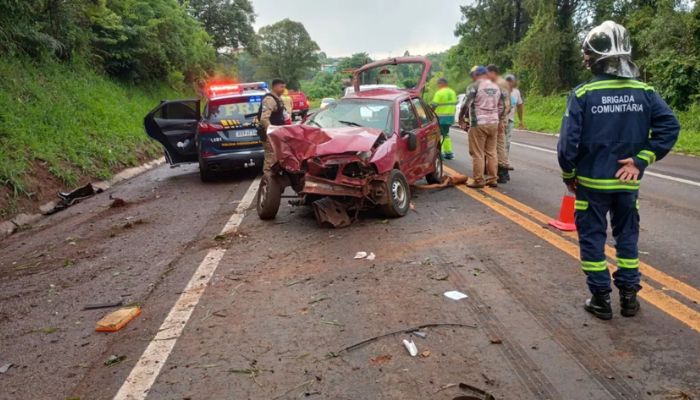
[{"x": 275, "y": 317}]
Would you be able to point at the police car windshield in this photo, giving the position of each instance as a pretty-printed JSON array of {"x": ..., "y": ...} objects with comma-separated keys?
[
  {"x": 242, "y": 108},
  {"x": 356, "y": 112}
]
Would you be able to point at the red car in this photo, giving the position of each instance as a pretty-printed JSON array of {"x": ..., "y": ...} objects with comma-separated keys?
[
  {"x": 365, "y": 150},
  {"x": 300, "y": 104}
]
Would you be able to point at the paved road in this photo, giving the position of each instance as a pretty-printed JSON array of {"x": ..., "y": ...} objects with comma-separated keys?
[{"x": 234, "y": 307}]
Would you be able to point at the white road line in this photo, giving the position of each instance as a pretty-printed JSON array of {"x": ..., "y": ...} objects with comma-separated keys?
[
  {"x": 648, "y": 173},
  {"x": 147, "y": 368}
]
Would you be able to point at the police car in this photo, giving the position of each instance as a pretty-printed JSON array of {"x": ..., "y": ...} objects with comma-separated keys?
[{"x": 222, "y": 137}]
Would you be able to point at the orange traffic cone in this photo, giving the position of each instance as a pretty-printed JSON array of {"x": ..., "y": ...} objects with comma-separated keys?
[{"x": 566, "y": 221}]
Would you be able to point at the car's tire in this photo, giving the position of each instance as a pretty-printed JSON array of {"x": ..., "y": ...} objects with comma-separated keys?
[
  {"x": 269, "y": 197},
  {"x": 205, "y": 174},
  {"x": 437, "y": 174},
  {"x": 399, "y": 193}
]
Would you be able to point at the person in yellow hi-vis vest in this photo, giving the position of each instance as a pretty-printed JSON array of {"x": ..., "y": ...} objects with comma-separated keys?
[{"x": 445, "y": 104}]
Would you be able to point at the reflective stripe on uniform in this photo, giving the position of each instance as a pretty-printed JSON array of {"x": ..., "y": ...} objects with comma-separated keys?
[
  {"x": 594, "y": 266},
  {"x": 648, "y": 156},
  {"x": 612, "y": 84},
  {"x": 607, "y": 184},
  {"x": 568, "y": 175},
  {"x": 581, "y": 205},
  {"x": 628, "y": 263}
]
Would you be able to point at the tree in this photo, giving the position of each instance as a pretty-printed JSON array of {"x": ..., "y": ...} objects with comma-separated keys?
[
  {"x": 354, "y": 61},
  {"x": 228, "y": 22},
  {"x": 286, "y": 51}
]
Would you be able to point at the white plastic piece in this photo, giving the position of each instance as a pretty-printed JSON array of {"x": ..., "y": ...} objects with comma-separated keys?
[
  {"x": 455, "y": 295},
  {"x": 371, "y": 256},
  {"x": 360, "y": 255},
  {"x": 411, "y": 347}
]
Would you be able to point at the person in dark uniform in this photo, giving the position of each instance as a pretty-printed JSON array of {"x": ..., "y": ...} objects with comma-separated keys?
[
  {"x": 272, "y": 112},
  {"x": 614, "y": 127}
]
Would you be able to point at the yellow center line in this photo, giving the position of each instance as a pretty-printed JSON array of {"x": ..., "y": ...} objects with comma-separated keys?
[
  {"x": 656, "y": 297},
  {"x": 667, "y": 281}
]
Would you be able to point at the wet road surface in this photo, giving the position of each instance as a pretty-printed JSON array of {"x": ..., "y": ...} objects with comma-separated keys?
[{"x": 282, "y": 302}]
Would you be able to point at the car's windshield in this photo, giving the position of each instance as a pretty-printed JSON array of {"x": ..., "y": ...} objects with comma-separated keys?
[
  {"x": 242, "y": 108},
  {"x": 355, "y": 112}
]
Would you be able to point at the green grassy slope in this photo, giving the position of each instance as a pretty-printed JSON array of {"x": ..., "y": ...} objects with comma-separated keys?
[
  {"x": 69, "y": 122},
  {"x": 543, "y": 114}
]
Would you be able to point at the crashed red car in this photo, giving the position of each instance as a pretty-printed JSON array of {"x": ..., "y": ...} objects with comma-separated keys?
[{"x": 365, "y": 150}]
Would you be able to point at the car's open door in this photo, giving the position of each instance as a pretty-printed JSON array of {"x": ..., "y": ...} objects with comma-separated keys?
[
  {"x": 174, "y": 125},
  {"x": 408, "y": 73}
]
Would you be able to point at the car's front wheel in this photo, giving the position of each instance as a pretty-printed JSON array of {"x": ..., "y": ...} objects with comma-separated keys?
[
  {"x": 269, "y": 197},
  {"x": 437, "y": 174},
  {"x": 399, "y": 195}
]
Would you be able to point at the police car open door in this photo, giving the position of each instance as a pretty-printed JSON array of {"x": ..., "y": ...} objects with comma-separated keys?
[{"x": 174, "y": 125}]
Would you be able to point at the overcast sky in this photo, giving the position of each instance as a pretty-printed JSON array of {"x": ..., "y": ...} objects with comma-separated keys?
[{"x": 380, "y": 27}]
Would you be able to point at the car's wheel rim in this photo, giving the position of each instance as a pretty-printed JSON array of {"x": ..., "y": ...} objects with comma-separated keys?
[
  {"x": 438, "y": 168},
  {"x": 263, "y": 192},
  {"x": 399, "y": 195}
]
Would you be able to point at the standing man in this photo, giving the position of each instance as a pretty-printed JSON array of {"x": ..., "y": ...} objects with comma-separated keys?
[
  {"x": 272, "y": 112},
  {"x": 503, "y": 163},
  {"x": 516, "y": 103},
  {"x": 614, "y": 127},
  {"x": 485, "y": 105},
  {"x": 445, "y": 104}
]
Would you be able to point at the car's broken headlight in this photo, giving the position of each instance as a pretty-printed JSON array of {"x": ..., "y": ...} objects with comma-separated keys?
[{"x": 364, "y": 155}]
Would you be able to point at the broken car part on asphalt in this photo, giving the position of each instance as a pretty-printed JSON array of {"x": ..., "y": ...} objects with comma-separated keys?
[
  {"x": 410, "y": 347},
  {"x": 68, "y": 199},
  {"x": 118, "y": 319},
  {"x": 455, "y": 295}
]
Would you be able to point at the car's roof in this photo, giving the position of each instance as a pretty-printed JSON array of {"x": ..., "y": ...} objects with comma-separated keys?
[
  {"x": 247, "y": 93},
  {"x": 379, "y": 94}
]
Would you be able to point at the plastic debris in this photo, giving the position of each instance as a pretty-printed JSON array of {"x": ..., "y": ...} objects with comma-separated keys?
[
  {"x": 360, "y": 255},
  {"x": 371, "y": 256},
  {"x": 411, "y": 347},
  {"x": 6, "y": 367},
  {"x": 118, "y": 319},
  {"x": 114, "y": 359},
  {"x": 421, "y": 334},
  {"x": 455, "y": 295}
]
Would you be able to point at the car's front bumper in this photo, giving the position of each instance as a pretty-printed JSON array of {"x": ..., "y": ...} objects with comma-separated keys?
[{"x": 240, "y": 159}]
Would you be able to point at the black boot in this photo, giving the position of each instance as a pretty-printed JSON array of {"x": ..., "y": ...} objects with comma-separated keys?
[
  {"x": 599, "y": 305},
  {"x": 502, "y": 174},
  {"x": 629, "y": 305}
]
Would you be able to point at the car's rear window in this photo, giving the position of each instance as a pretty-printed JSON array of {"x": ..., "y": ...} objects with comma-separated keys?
[{"x": 243, "y": 108}]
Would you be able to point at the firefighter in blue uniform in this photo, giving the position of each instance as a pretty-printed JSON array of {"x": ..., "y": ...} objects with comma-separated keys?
[{"x": 614, "y": 127}]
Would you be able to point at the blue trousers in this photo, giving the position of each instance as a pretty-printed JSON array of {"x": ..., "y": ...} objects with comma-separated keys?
[{"x": 592, "y": 209}]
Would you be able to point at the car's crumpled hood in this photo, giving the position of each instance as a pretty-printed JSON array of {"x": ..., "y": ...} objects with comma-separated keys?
[{"x": 295, "y": 144}]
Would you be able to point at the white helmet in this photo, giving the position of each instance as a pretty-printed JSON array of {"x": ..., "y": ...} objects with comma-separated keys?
[{"x": 607, "y": 49}]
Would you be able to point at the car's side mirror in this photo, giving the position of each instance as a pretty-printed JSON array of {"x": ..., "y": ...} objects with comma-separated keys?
[{"x": 411, "y": 138}]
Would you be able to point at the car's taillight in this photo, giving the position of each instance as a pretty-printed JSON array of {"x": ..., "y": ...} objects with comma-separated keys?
[{"x": 205, "y": 128}]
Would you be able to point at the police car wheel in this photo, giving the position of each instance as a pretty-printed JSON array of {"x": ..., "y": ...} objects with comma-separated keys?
[
  {"x": 205, "y": 174},
  {"x": 269, "y": 197},
  {"x": 399, "y": 195}
]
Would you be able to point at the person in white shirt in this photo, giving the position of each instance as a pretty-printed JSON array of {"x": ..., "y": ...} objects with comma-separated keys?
[{"x": 516, "y": 104}]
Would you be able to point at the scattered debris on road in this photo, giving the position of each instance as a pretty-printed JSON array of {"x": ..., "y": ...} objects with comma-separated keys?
[
  {"x": 117, "y": 202},
  {"x": 410, "y": 347},
  {"x": 455, "y": 295},
  {"x": 380, "y": 360},
  {"x": 71, "y": 198},
  {"x": 360, "y": 255},
  {"x": 495, "y": 340},
  {"x": 484, "y": 395},
  {"x": 118, "y": 319},
  {"x": 421, "y": 334},
  {"x": 114, "y": 360},
  {"x": 5, "y": 367},
  {"x": 97, "y": 306},
  {"x": 425, "y": 354},
  {"x": 447, "y": 181}
]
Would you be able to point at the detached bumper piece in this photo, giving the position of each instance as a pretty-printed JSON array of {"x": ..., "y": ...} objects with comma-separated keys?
[{"x": 331, "y": 213}]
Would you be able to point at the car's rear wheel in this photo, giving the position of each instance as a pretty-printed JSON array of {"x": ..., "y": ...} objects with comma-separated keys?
[
  {"x": 269, "y": 197},
  {"x": 437, "y": 174},
  {"x": 399, "y": 195},
  {"x": 205, "y": 174}
]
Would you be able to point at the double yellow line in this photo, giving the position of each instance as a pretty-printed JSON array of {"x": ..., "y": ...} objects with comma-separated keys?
[{"x": 532, "y": 220}]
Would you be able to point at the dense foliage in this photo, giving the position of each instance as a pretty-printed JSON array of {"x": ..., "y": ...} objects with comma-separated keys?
[{"x": 540, "y": 39}]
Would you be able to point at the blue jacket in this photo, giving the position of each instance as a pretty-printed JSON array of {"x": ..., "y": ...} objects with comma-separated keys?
[{"x": 610, "y": 119}]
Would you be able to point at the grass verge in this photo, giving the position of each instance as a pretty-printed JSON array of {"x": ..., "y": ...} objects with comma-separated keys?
[
  {"x": 544, "y": 114},
  {"x": 67, "y": 123}
]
